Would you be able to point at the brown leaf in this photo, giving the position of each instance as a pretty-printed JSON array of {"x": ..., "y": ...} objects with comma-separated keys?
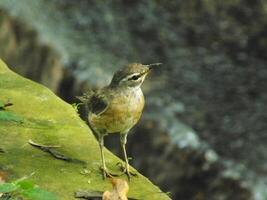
[
  {"x": 3, "y": 176},
  {"x": 119, "y": 192}
]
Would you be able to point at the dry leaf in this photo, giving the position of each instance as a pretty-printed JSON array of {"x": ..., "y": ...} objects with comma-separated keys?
[
  {"x": 3, "y": 176},
  {"x": 119, "y": 192}
]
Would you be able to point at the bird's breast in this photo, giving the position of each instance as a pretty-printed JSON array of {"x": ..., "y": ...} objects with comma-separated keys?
[{"x": 123, "y": 112}]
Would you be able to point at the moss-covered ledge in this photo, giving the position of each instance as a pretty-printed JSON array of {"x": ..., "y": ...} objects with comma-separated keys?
[{"x": 40, "y": 116}]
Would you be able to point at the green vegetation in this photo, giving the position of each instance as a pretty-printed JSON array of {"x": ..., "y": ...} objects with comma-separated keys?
[
  {"x": 76, "y": 106},
  {"x": 25, "y": 188}
]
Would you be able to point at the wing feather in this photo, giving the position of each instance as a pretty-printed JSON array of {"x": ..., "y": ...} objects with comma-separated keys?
[{"x": 98, "y": 104}]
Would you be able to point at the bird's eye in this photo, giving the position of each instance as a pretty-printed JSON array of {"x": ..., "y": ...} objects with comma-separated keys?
[{"x": 134, "y": 78}]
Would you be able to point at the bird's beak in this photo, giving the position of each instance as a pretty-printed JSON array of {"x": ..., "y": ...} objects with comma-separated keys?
[{"x": 151, "y": 66}]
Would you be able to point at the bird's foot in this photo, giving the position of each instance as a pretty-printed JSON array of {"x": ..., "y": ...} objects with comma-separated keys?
[
  {"x": 126, "y": 170},
  {"x": 107, "y": 173}
]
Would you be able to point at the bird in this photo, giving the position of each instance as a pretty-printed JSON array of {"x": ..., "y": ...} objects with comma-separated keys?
[{"x": 117, "y": 107}]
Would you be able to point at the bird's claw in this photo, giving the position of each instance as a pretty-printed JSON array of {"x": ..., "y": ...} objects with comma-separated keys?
[
  {"x": 107, "y": 174},
  {"x": 125, "y": 170}
]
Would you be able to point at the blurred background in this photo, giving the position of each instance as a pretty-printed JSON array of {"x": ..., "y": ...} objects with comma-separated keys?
[{"x": 203, "y": 134}]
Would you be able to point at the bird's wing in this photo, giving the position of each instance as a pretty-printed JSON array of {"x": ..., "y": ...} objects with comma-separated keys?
[
  {"x": 86, "y": 96},
  {"x": 98, "y": 103}
]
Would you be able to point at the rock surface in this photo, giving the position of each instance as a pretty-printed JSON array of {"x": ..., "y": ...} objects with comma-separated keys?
[{"x": 42, "y": 117}]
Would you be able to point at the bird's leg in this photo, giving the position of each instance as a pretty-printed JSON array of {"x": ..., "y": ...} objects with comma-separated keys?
[
  {"x": 126, "y": 169},
  {"x": 104, "y": 169},
  {"x": 101, "y": 145}
]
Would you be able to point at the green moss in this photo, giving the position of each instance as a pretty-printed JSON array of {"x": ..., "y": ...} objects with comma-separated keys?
[{"x": 46, "y": 119}]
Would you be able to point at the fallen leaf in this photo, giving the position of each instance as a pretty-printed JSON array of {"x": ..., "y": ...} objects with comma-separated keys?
[
  {"x": 119, "y": 192},
  {"x": 2, "y": 179},
  {"x": 3, "y": 176}
]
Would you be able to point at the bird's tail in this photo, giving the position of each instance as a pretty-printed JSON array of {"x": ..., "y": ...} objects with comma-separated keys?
[{"x": 85, "y": 98}]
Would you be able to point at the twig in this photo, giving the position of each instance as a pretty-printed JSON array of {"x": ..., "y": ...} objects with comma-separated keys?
[
  {"x": 8, "y": 104},
  {"x": 3, "y": 107},
  {"x": 92, "y": 195},
  {"x": 42, "y": 146},
  {"x": 2, "y": 150},
  {"x": 51, "y": 150}
]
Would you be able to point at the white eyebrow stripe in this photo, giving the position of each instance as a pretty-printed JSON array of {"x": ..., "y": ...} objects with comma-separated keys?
[
  {"x": 129, "y": 76},
  {"x": 135, "y": 74}
]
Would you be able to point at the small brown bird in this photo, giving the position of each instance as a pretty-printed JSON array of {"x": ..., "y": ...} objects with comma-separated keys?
[{"x": 117, "y": 107}]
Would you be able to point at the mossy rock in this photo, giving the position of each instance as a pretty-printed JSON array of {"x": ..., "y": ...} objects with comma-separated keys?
[{"x": 39, "y": 115}]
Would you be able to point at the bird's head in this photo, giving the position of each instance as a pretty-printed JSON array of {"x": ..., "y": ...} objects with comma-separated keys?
[{"x": 132, "y": 75}]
